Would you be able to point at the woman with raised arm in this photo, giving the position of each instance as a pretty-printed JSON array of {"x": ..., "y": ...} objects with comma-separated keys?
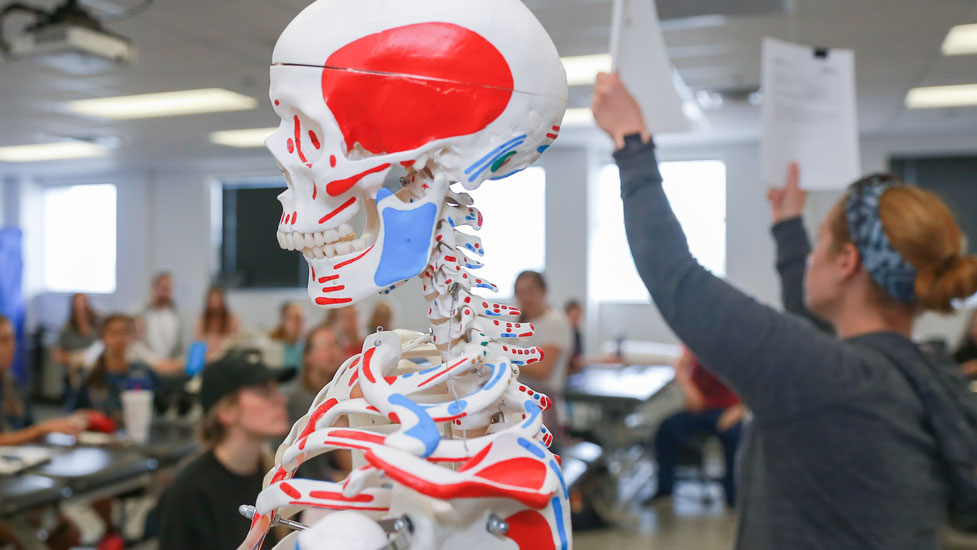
[{"x": 858, "y": 441}]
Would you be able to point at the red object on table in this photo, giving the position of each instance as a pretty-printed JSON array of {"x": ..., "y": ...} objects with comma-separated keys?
[{"x": 99, "y": 422}]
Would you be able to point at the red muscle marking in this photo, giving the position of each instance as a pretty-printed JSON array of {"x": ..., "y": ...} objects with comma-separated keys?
[
  {"x": 344, "y": 506},
  {"x": 526, "y": 334},
  {"x": 331, "y": 301},
  {"x": 476, "y": 460},
  {"x": 347, "y": 262},
  {"x": 295, "y": 216},
  {"x": 317, "y": 415},
  {"x": 556, "y": 128},
  {"x": 333, "y": 288},
  {"x": 460, "y": 83},
  {"x": 407, "y": 163},
  {"x": 352, "y": 379},
  {"x": 290, "y": 491},
  {"x": 327, "y": 279},
  {"x": 552, "y": 136},
  {"x": 339, "y": 187},
  {"x": 314, "y": 139},
  {"x": 342, "y": 207},
  {"x": 298, "y": 138},
  {"x": 367, "y": 357},
  {"x": 332, "y": 161},
  {"x": 524, "y": 472},
  {"x": 333, "y": 495},
  {"x": 314, "y": 190},
  {"x": 358, "y": 436},
  {"x": 464, "y": 489},
  {"x": 530, "y": 531},
  {"x": 290, "y": 145}
]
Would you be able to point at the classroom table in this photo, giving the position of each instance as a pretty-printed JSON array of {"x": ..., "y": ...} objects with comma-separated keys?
[
  {"x": 26, "y": 492},
  {"x": 618, "y": 385}
]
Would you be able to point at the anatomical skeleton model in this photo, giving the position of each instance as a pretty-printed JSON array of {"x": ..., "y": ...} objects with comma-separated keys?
[{"x": 450, "y": 448}]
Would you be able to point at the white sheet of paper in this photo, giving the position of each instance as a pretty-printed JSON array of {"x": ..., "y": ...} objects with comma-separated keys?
[
  {"x": 809, "y": 116},
  {"x": 639, "y": 56}
]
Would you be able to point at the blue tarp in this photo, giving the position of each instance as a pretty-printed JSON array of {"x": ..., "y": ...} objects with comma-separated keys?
[{"x": 11, "y": 291}]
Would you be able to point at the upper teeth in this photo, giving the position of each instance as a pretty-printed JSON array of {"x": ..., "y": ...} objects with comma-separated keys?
[{"x": 325, "y": 244}]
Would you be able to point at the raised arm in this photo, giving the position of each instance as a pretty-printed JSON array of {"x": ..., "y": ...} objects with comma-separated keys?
[
  {"x": 793, "y": 246},
  {"x": 779, "y": 365}
]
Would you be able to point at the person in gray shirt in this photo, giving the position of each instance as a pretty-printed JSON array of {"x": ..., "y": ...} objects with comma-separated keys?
[{"x": 858, "y": 440}]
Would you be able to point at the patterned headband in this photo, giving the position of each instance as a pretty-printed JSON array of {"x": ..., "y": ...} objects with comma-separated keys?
[{"x": 883, "y": 263}]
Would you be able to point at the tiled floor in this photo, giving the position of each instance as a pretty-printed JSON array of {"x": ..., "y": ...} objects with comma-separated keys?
[{"x": 684, "y": 526}]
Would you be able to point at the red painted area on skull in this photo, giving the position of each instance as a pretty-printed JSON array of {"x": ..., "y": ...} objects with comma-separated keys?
[
  {"x": 339, "y": 187},
  {"x": 315, "y": 189},
  {"x": 334, "y": 213},
  {"x": 298, "y": 138},
  {"x": 332, "y": 161},
  {"x": 331, "y": 301},
  {"x": 314, "y": 139},
  {"x": 445, "y": 81},
  {"x": 347, "y": 262},
  {"x": 530, "y": 531},
  {"x": 290, "y": 145}
]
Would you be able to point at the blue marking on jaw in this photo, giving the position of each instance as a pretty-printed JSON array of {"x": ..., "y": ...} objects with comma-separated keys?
[
  {"x": 406, "y": 242},
  {"x": 529, "y": 446},
  {"x": 533, "y": 409},
  {"x": 425, "y": 430}
]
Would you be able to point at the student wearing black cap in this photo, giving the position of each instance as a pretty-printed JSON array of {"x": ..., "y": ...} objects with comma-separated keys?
[{"x": 244, "y": 408}]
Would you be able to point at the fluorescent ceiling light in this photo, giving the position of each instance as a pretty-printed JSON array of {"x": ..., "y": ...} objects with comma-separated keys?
[
  {"x": 582, "y": 69},
  {"x": 50, "y": 151},
  {"x": 254, "y": 137},
  {"x": 186, "y": 102},
  {"x": 961, "y": 40},
  {"x": 935, "y": 97},
  {"x": 578, "y": 117}
]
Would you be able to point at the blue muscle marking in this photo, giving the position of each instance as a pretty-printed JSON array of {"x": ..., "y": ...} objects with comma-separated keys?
[
  {"x": 430, "y": 370},
  {"x": 481, "y": 285},
  {"x": 383, "y": 193},
  {"x": 507, "y": 335},
  {"x": 559, "y": 475},
  {"x": 529, "y": 446},
  {"x": 495, "y": 151},
  {"x": 489, "y": 164},
  {"x": 424, "y": 431},
  {"x": 406, "y": 243},
  {"x": 408, "y": 375},
  {"x": 457, "y": 407},
  {"x": 533, "y": 411},
  {"x": 499, "y": 371},
  {"x": 520, "y": 363},
  {"x": 536, "y": 397},
  {"x": 492, "y": 313},
  {"x": 542, "y": 148},
  {"x": 451, "y": 222},
  {"x": 558, "y": 513}
]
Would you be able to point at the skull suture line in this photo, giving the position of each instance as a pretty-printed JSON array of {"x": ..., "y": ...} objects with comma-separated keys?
[{"x": 455, "y": 91}]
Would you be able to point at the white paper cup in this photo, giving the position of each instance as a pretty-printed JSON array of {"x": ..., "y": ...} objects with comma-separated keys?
[{"x": 137, "y": 412}]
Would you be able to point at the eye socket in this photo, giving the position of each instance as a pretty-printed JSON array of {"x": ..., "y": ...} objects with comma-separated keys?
[{"x": 305, "y": 140}]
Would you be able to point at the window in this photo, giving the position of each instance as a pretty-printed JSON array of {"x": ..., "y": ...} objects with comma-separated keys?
[
  {"x": 697, "y": 193},
  {"x": 250, "y": 255},
  {"x": 79, "y": 239},
  {"x": 514, "y": 229}
]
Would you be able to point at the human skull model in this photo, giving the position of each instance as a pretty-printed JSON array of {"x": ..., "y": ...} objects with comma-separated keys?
[
  {"x": 468, "y": 90},
  {"x": 448, "y": 444}
]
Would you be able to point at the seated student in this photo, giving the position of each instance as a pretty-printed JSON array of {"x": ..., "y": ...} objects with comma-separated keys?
[
  {"x": 711, "y": 408},
  {"x": 322, "y": 359},
  {"x": 216, "y": 325},
  {"x": 77, "y": 335},
  {"x": 288, "y": 334},
  {"x": 574, "y": 314},
  {"x": 346, "y": 322},
  {"x": 113, "y": 372},
  {"x": 966, "y": 355},
  {"x": 244, "y": 408},
  {"x": 16, "y": 423}
]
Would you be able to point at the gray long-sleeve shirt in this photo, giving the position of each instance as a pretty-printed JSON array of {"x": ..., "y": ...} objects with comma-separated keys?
[{"x": 839, "y": 455}]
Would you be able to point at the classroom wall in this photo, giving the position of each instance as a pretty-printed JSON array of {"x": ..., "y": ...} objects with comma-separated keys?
[{"x": 165, "y": 222}]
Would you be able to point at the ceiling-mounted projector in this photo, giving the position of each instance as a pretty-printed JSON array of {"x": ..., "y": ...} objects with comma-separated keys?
[{"x": 68, "y": 38}]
